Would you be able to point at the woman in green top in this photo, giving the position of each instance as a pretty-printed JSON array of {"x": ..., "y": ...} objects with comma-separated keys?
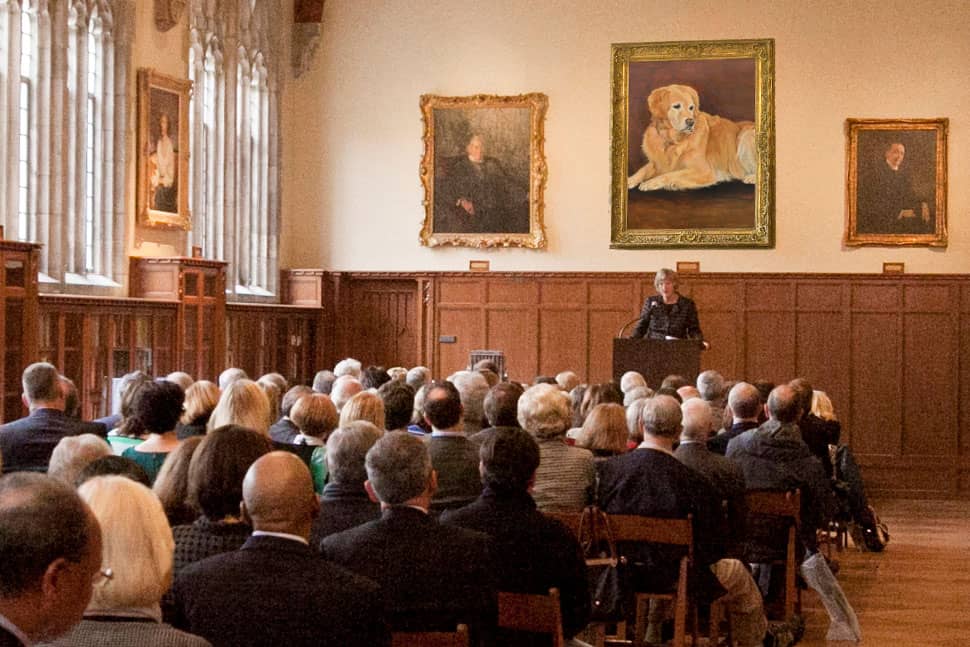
[
  {"x": 316, "y": 417},
  {"x": 158, "y": 406}
]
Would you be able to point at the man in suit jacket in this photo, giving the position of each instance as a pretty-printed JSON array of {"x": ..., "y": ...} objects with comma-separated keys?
[
  {"x": 745, "y": 404},
  {"x": 537, "y": 553},
  {"x": 345, "y": 503},
  {"x": 27, "y": 444},
  {"x": 453, "y": 456},
  {"x": 276, "y": 590},
  {"x": 283, "y": 430},
  {"x": 434, "y": 577},
  {"x": 50, "y": 552},
  {"x": 724, "y": 475},
  {"x": 649, "y": 481}
]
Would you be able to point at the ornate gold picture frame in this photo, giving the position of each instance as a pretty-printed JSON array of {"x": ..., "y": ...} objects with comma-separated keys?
[
  {"x": 163, "y": 150},
  {"x": 693, "y": 144},
  {"x": 484, "y": 170},
  {"x": 896, "y": 181}
]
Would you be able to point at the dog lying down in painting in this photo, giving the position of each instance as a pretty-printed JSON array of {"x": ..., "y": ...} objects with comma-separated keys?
[{"x": 690, "y": 149}]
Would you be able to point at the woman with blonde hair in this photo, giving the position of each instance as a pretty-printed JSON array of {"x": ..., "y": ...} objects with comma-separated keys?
[
  {"x": 200, "y": 400},
  {"x": 316, "y": 418},
  {"x": 363, "y": 406},
  {"x": 136, "y": 570},
  {"x": 604, "y": 431},
  {"x": 822, "y": 406},
  {"x": 242, "y": 403}
]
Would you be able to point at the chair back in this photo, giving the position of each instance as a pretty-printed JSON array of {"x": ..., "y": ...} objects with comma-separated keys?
[
  {"x": 572, "y": 520},
  {"x": 775, "y": 503},
  {"x": 457, "y": 638},
  {"x": 531, "y": 612}
]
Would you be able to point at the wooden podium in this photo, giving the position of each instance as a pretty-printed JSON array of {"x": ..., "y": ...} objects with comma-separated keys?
[{"x": 655, "y": 359}]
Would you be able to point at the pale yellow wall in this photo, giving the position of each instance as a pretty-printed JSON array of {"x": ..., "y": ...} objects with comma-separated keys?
[
  {"x": 352, "y": 127},
  {"x": 167, "y": 53}
]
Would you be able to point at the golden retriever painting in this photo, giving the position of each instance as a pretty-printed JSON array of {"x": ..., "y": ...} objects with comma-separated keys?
[{"x": 687, "y": 148}]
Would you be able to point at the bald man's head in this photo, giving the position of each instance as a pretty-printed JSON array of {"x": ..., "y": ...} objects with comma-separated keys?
[
  {"x": 783, "y": 404},
  {"x": 278, "y": 495}
]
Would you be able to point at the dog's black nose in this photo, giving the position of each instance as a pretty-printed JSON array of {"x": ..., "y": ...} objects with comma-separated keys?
[{"x": 690, "y": 123}]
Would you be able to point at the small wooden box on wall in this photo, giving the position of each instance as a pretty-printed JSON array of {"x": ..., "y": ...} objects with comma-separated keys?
[{"x": 303, "y": 287}]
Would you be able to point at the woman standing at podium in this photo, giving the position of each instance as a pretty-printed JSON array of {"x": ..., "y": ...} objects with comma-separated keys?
[{"x": 668, "y": 314}]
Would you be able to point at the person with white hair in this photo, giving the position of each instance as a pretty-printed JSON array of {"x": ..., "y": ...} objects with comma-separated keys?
[
  {"x": 418, "y": 377},
  {"x": 566, "y": 476},
  {"x": 636, "y": 393},
  {"x": 344, "y": 388},
  {"x": 137, "y": 546},
  {"x": 348, "y": 366},
  {"x": 472, "y": 386},
  {"x": 567, "y": 381},
  {"x": 73, "y": 453},
  {"x": 230, "y": 375},
  {"x": 183, "y": 379},
  {"x": 711, "y": 388},
  {"x": 631, "y": 380}
]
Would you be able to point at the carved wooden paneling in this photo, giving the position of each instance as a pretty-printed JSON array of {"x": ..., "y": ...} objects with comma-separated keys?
[
  {"x": 264, "y": 339},
  {"x": 379, "y": 320},
  {"x": 893, "y": 353}
]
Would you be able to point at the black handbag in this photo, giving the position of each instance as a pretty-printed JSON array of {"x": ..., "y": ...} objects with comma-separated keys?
[{"x": 608, "y": 577}]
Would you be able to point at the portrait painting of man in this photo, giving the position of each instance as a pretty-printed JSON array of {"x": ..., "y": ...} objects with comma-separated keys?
[
  {"x": 163, "y": 154},
  {"x": 895, "y": 186},
  {"x": 483, "y": 178}
]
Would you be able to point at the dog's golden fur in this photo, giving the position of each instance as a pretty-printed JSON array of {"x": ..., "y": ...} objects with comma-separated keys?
[{"x": 690, "y": 149}]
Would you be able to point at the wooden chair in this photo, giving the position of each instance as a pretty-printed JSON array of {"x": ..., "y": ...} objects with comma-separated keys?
[
  {"x": 655, "y": 530},
  {"x": 457, "y": 638},
  {"x": 788, "y": 505},
  {"x": 534, "y": 613}
]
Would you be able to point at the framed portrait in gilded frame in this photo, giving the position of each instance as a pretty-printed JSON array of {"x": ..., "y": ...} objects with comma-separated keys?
[
  {"x": 163, "y": 150},
  {"x": 693, "y": 144},
  {"x": 484, "y": 170},
  {"x": 896, "y": 182}
]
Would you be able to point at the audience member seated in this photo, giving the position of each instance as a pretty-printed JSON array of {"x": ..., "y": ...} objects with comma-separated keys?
[
  {"x": 316, "y": 418},
  {"x": 636, "y": 393},
  {"x": 674, "y": 382},
  {"x": 137, "y": 546},
  {"x": 215, "y": 489},
  {"x": 276, "y": 379},
  {"x": 348, "y": 366},
  {"x": 73, "y": 453},
  {"x": 576, "y": 403},
  {"x": 566, "y": 475},
  {"x": 764, "y": 390},
  {"x": 501, "y": 409},
  {"x": 172, "y": 485},
  {"x": 649, "y": 481},
  {"x": 491, "y": 378},
  {"x": 158, "y": 407},
  {"x": 283, "y": 430},
  {"x": 453, "y": 457},
  {"x": 273, "y": 397},
  {"x": 817, "y": 433},
  {"x": 599, "y": 394},
  {"x": 323, "y": 381},
  {"x": 229, "y": 376},
  {"x": 50, "y": 552},
  {"x": 398, "y": 400},
  {"x": 114, "y": 465},
  {"x": 604, "y": 432},
  {"x": 345, "y": 503},
  {"x": 72, "y": 404},
  {"x": 745, "y": 404},
  {"x": 631, "y": 380},
  {"x": 373, "y": 377},
  {"x": 27, "y": 444},
  {"x": 775, "y": 457},
  {"x": 687, "y": 392},
  {"x": 724, "y": 475},
  {"x": 130, "y": 431},
  {"x": 633, "y": 427},
  {"x": 472, "y": 388},
  {"x": 665, "y": 390},
  {"x": 200, "y": 400},
  {"x": 128, "y": 381},
  {"x": 712, "y": 389},
  {"x": 418, "y": 377},
  {"x": 397, "y": 373},
  {"x": 276, "y": 590},
  {"x": 419, "y": 425},
  {"x": 365, "y": 405},
  {"x": 434, "y": 577},
  {"x": 183, "y": 379},
  {"x": 567, "y": 381},
  {"x": 344, "y": 388},
  {"x": 242, "y": 403},
  {"x": 535, "y": 553}
]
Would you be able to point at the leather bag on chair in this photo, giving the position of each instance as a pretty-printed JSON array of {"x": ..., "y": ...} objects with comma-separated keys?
[{"x": 608, "y": 576}]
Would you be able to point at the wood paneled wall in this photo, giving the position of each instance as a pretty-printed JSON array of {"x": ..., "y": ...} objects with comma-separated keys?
[
  {"x": 281, "y": 339},
  {"x": 893, "y": 352}
]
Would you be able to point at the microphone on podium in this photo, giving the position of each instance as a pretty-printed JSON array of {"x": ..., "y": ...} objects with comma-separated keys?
[{"x": 626, "y": 325}]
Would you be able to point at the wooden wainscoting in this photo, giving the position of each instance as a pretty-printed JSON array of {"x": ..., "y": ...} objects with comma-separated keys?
[
  {"x": 92, "y": 340},
  {"x": 283, "y": 339},
  {"x": 893, "y": 352}
]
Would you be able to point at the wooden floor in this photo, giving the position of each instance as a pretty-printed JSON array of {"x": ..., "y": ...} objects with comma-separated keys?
[{"x": 916, "y": 593}]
